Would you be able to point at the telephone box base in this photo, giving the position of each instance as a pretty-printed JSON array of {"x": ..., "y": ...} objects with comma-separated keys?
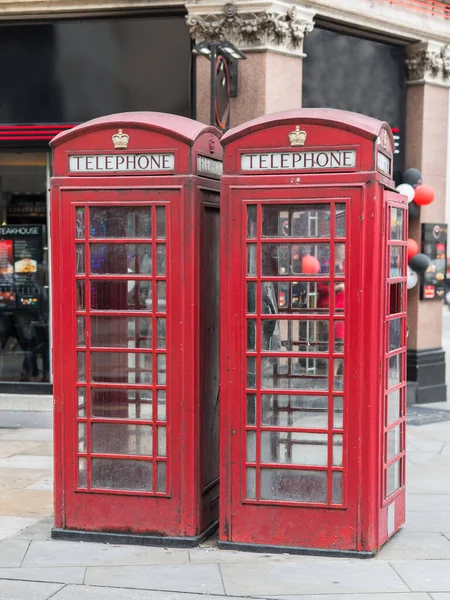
[
  {"x": 133, "y": 539},
  {"x": 294, "y": 550}
]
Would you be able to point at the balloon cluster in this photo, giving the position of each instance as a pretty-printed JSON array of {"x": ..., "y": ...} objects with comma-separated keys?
[{"x": 418, "y": 195}]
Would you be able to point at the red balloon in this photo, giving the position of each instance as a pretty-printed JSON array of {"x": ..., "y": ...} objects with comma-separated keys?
[
  {"x": 413, "y": 248},
  {"x": 310, "y": 264},
  {"x": 424, "y": 195}
]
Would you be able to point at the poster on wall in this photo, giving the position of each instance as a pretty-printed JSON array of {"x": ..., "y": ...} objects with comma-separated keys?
[{"x": 434, "y": 245}]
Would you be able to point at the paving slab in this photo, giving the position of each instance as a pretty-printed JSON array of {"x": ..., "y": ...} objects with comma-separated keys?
[
  {"x": 423, "y": 502},
  {"x": 440, "y": 596},
  {"x": 12, "y": 552},
  {"x": 43, "y": 485},
  {"x": 24, "y": 590},
  {"x": 11, "y": 447},
  {"x": 59, "y": 553},
  {"x": 41, "y": 449},
  {"x": 214, "y": 555},
  {"x": 26, "y": 503},
  {"x": 38, "y": 531},
  {"x": 27, "y": 461},
  {"x": 34, "y": 435},
  {"x": 47, "y": 574},
  {"x": 367, "y": 596},
  {"x": 407, "y": 544},
  {"x": 427, "y": 521},
  {"x": 11, "y": 525},
  {"x": 199, "y": 579},
  {"x": 327, "y": 576},
  {"x": 86, "y": 592},
  {"x": 424, "y": 575}
]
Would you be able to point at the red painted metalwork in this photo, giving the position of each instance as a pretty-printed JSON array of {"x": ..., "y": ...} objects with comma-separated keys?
[
  {"x": 135, "y": 296},
  {"x": 30, "y": 133},
  {"x": 312, "y": 448},
  {"x": 429, "y": 7}
]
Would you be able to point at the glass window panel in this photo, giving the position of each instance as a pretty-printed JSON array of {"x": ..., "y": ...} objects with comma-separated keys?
[
  {"x": 82, "y": 442},
  {"x": 394, "y": 410},
  {"x": 286, "y": 447},
  {"x": 161, "y": 259},
  {"x": 307, "y": 412},
  {"x": 251, "y": 446},
  {"x": 251, "y": 297},
  {"x": 251, "y": 221},
  {"x": 305, "y": 220},
  {"x": 161, "y": 222},
  {"x": 340, "y": 220},
  {"x": 251, "y": 334},
  {"x": 119, "y": 438},
  {"x": 295, "y": 259},
  {"x": 397, "y": 216},
  {"x": 251, "y": 409},
  {"x": 161, "y": 295},
  {"x": 337, "y": 487},
  {"x": 120, "y": 222},
  {"x": 396, "y": 261},
  {"x": 251, "y": 483},
  {"x": 294, "y": 485},
  {"x": 339, "y": 260},
  {"x": 338, "y": 441},
  {"x": 121, "y": 332},
  {"x": 81, "y": 331},
  {"x": 289, "y": 335},
  {"x": 395, "y": 334},
  {"x": 338, "y": 374},
  {"x": 161, "y": 366},
  {"x": 80, "y": 295},
  {"x": 82, "y": 472},
  {"x": 121, "y": 258},
  {"x": 80, "y": 262},
  {"x": 251, "y": 372},
  {"x": 81, "y": 366},
  {"x": 294, "y": 373},
  {"x": 161, "y": 329},
  {"x": 79, "y": 225},
  {"x": 119, "y": 367},
  {"x": 127, "y": 294},
  {"x": 396, "y": 294},
  {"x": 338, "y": 412},
  {"x": 81, "y": 402},
  {"x": 299, "y": 297},
  {"x": 394, "y": 443},
  {"x": 117, "y": 474},
  {"x": 393, "y": 477},
  {"x": 339, "y": 336},
  {"x": 251, "y": 260},
  {"x": 394, "y": 370},
  {"x": 121, "y": 404},
  {"x": 161, "y": 483},
  {"x": 162, "y": 410},
  {"x": 162, "y": 441}
]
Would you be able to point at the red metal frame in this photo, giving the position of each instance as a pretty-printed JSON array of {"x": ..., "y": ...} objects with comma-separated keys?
[{"x": 429, "y": 7}]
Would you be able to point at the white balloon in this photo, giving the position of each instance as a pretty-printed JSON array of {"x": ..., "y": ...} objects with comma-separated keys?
[
  {"x": 406, "y": 190},
  {"x": 411, "y": 279}
]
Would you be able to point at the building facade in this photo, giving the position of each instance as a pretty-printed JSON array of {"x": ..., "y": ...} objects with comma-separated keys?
[{"x": 66, "y": 61}]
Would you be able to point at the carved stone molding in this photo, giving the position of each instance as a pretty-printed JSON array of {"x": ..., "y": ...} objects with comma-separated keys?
[
  {"x": 272, "y": 25},
  {"x": 428, "y": 62}
]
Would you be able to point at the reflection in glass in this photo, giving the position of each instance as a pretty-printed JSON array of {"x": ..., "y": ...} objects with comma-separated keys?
[
  {"x": 337, "y": 450},
  {"x": 294, "y": 485},
  {"x": 251, "y": 334},
  {"x": 119, "y": 438},
  {"x": 160, "y": 222},
  {"x": 80, "y": 265},
  {"x": 395, "y": 334},
  {"x": 393, "y": 478},
  {"x": 396, "y": 294},
  {"x": 121, "y": 403},
  {"x": 394, "y": 370},
  {"x": 339, "y": 259},
  {"x": 340, "y": 220},
  {"x": 121, "y": 258},
  {"x": 294, "y": 335},
  {"x": 251, "y": 483},
  {"x": 82, "y": 472},
  {"x": 80, "y": 295},
  {"x": 397, "y": 215},
  {"x": 120, "y": 222},
  {"x": 251, "y": 409},
  {"x": 251, "y": 297},
  {"x": 161, "y": 333},
  {"x": 251, "y": 372},
  {"x": 161, "y": 296},
  {"x": 294, "y": 373},
  {"x": 296, "y": 220},
  {"x": 161, "y": 366},
  {"x": 81, "y": 331},
  {"x": 285, "y": 447},
  {"x": 161, "y": 441},
  {"x": 396, "y": 261},
  {"x": 303, "y": 297},
  {"x": 251, "y": 446},
  {"x": 338, "y": 412},
  {"x": 338, "y": 374},
  {"x": 81, "y": 402},
  {"x": 82, "y": 442},
  {"x": 81, "y": 365},
  {"x": 394, "y": 411},
  {"x": 339, "y": 336},
  {"x": 161, "y": 408},
  {"x": 122, "y": 474},
  {"x": 301, "y": 411},
  {"x": 127, "y": 294},
  {"x": 79, "y": 224},
  {"x": 161, "y": 484},
  {"x": 161, "y": 259},
  {"x": 121, "y": 332},
  {"x": 120, "y": 367},
  {"x": 393, "y": 442},
  {"x": 251, "y": 260},
  {"x": 337, "y": 487},
  {"x": 251, "y": 221},
  {"x": 295, "y": 259}
]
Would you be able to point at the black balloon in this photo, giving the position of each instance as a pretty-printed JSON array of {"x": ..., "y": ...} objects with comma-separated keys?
[
  {"x": 413, "y": 210},
  {"x": 413, "y": 177},
  {"x": 419, "y": 263}
]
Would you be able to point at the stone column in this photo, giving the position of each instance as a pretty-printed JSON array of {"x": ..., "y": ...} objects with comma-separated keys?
[
  {"x": 271, "y": 34},
  {"x": 427, "y": 135}
]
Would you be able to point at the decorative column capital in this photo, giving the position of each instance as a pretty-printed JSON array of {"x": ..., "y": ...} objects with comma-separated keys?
[
  {"x": 251, "y": 25},
  {"x": 428, "y": 62}
]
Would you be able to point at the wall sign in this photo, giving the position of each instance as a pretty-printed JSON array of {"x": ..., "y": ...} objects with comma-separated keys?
[
  {"x": 383, "y": 163},
  {"x": 100, "y": 163},
  {"x": 434, "y": 245},
  {"x": 209, "y": 167},
  {"x": 304, "y": 160}
]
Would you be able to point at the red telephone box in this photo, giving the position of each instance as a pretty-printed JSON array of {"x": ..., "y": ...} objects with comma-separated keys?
[
  {"x": 135, "y": 230},
  {"x": 313, "y": 330}
]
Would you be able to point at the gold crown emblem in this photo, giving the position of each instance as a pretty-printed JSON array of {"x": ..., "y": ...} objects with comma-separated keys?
[
  {"x": 297, "y": 137},
  {"x": 120, "y": 139}
]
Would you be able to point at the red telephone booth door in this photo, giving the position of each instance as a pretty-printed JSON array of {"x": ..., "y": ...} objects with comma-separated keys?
[
  {"x": 295, "y": 423},
  {"x": 116, "y": 322}
]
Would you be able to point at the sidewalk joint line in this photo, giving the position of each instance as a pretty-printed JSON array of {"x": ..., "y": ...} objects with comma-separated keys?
[
  {"x": 25, "y": 554},
  {"x": 398, "y": 574}
]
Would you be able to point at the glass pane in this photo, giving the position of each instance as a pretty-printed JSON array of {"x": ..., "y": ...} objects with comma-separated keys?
[
  {"x": 251, "y": 298},
  {"x": 338, "y": 374},
  {"x": 251, "y": 221},
  {"x": 309, "y": 449},
  {"x": 80, "y": 264},
  {"x": 251, "y": 446},
  {"x": 82, "y": 472},
  {"x": 161, "y": 304},
  {"x": 294, "y": 485},
  {"x": 395, "y": 334},
  {"x": 251, "y": 483},
  {"x": 161, "y": 441},
  {"x": 337, "y": 487},
  {"x": 120, "y": 222},
  {"x": 295, "y": 259},
  {"x": 161, "y": 408},
  {"x": 118, "y": 438},
  {"x": 81, "y": 373},
  {"x": 116, "y": 474},
  {"x": 338, "y": 412},
  {"x": 161, "y": 331},
  {"x": 80, "y": 295},
  {"x": 289, "y": 335},
  {"x": 394, "y": 370},
  {"x": 82, "y": 442},
  {"x": 251, "y": 409},
  {"x": 251, "y": 260},
  {"x": 121, "y": 404},
  {"x": 394, "y": 445},
  {"x": 161, "y": 259},
  {"x": 394, "y": 411},
  {"x": 296, "y": 221},
  {"x": 338, "y": 441},
  {"x": 160, "y": 222},
  {"x": 393, "y": 477},
  {"x": 303, "y": 297},
  {"x": 121, "y": 332},
  {"x": 120, "y": 367},
  {"x": 79, "y": 225},
  {"x": 339, "y": 336},
  {"x": 121, "y": 295},
  {"x": 294, "y": 373},
  {"x": 396, "y": 293},
  {"x": 121, "y": 258},
  {"x": 340, "y": 220},
  {"x": 81, "y": 331},
  {"x": 307, "y": 412},
  {"x": 81, "y": 402},
  {"x": 161, "y": 483},
  {"x": 251, "y": 372},
  {"x": 339, "y": 260},
  {"x": 161, "y": 366},
  {"x": 397, "y": 215},
  {"x": 396, "y": 261},
  {"x": 251, "y": 334}
]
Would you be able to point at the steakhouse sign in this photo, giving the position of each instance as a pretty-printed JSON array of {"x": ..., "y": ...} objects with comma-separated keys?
[{"x": 279, "y": 161}]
